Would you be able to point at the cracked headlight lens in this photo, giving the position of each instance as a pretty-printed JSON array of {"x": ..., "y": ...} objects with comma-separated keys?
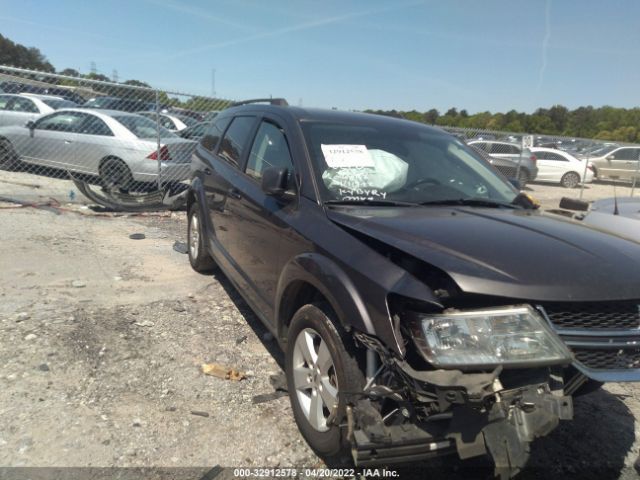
[{"x": 517, "y": 336}]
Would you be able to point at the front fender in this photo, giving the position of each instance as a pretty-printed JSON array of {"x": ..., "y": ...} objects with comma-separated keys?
[{"x": 369, "y": 315}]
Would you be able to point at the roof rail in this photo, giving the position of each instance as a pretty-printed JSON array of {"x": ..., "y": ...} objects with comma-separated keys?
[{"x": 281, "y": 102}]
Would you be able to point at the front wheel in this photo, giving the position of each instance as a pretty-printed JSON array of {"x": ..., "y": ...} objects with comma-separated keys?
[
  {"x": 321, "y": 364},
  {"x": 199, "y": 258},
  {"x": 570, "y": 180}
]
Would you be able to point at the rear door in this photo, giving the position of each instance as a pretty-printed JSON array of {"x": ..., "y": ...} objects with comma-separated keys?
[
  {"x": 552, "y": 166},
  {"x": 92, "y": 141}
]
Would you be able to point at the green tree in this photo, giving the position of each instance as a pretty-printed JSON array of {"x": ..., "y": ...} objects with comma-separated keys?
[{"x": 17, "y": 55}]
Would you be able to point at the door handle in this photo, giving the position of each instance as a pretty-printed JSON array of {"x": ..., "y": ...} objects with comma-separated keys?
[
  {"x": 68, "y": 142},
  {"x": 235, "y": 193},
  {"x": 207, "y": 171}
]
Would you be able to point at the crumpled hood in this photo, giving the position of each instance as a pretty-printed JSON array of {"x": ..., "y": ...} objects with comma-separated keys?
[{"x": 519, "y": 254}]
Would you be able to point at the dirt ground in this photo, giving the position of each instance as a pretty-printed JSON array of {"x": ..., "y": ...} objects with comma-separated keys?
[{"x": 102, "y": 338}]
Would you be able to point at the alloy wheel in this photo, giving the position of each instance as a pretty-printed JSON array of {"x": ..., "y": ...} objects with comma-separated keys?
[
  {"x": 194, "y": 235},
  {"x": 314, "y": 377}
]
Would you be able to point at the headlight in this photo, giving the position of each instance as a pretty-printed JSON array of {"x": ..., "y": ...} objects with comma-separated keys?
[{"x": 516, "y": 336}]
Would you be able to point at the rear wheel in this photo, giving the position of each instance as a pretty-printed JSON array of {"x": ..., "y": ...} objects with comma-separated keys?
[
  {"x": 523, "y": 178},
  {"x": 115, "y": 174},
  {"x": 199, "y": 258},
  {"x": 570, "y": 180},
  {"x": 9, "y": 159},
  {"x": 321, "y": 364}
]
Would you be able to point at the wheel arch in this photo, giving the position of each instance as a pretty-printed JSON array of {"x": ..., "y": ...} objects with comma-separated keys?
[{"x": 312, "y": 277}]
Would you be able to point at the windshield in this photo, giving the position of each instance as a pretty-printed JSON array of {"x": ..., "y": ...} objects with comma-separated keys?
[
  {"x": 398, "y": 163},
  {"x": 142, "y": 127},
  {"x": 56, "y": 104}
]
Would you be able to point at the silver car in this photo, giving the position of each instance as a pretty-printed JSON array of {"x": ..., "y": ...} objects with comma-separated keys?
[
  {"x": 119, "y": 147},
  {"x": 511, "y": 151},
  {"x": 616, "y": 162}
]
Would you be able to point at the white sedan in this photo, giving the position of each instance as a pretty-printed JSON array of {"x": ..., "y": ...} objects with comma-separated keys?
[
  {"x": 19, "y": 109},
  {"x": 561, "y": 167}
]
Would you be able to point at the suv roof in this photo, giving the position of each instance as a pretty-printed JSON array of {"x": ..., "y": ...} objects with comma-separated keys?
[{"x": 320, "y": 114}]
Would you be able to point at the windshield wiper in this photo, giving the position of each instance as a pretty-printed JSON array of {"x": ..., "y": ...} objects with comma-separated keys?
[
  {"x": 373, "y": 203},
  {"x": 471, "y": 202}
]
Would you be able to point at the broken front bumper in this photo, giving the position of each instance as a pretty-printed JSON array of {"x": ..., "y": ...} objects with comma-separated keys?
[{"x": 475, "y": 416}]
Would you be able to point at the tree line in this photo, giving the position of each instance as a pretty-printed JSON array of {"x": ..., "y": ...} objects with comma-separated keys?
[{"x": 603, "y": 123}]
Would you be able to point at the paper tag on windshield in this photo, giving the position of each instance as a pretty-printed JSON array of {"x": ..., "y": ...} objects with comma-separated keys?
[{"x": 347, "y": 156}]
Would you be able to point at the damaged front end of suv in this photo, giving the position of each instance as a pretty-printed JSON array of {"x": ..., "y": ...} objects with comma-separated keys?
[{"x": 474, "y": 382}]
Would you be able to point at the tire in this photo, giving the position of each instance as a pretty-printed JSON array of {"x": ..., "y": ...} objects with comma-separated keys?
[
  {"x": 114, "y": 173},
  {"x": 199, "y": 258},
  {"x": 9, "y": 159},
  {"x": 316, "y": 326},
  {"x": 523, "y": 177},
  {"x": 570, "y": 180}
]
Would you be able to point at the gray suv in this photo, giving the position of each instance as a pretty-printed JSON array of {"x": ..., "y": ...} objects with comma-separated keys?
[
  {"x": 617, "y": 163},
  {"x": 513, "y": 152}
]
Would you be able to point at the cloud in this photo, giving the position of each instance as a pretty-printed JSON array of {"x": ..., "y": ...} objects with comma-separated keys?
[
  {"x": 293, "y": 28},
  {"x": 545, "y": 43},
  {"x": 199, "y": 13}
]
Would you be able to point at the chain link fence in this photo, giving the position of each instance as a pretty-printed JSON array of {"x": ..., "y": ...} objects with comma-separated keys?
[
  {"x": 128, "y": 146},
  {"x": 124, "y": 145}
]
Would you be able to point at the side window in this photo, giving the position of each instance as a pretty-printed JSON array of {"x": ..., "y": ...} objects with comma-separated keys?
[
  {"x": 94, "y": 126},
  {"x": 626, "y": 154},
  {"x": 4, "y": 102},
  {"x": 270, "y": 149},
  {"x": 555, "y": 156},
  {"x": 212, "y": 137},
  {"x": 541, "y": 155},
  {"x": 23, "y": 105},
  {"x": 60, "y": 122},
  {"x": 513, "y": 150},
  {"x": 167, "y": 123},
  {"x": 499, "y": 148},
  {"x": 481, "y": 146},
  {"x": 235, "y": 139}
]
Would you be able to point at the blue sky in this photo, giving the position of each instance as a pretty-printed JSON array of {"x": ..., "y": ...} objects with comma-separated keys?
[{"x": 480, "y": 55}]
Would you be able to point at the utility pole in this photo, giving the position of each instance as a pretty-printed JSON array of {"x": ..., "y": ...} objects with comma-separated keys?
[
  {"x": 114, "y": 76},
  {"x": 213, "y": 83},
  {"x": 93, "y": 67}
]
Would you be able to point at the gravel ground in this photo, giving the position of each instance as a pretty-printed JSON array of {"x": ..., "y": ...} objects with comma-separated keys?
[{"x": 102, "y": 338}]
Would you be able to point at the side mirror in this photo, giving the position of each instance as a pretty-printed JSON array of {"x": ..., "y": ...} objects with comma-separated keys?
[
  {"x": 30, "y": 124},
  {"x": 274, "y": 181},
  {"x": 611, "y": 157},
  {"x": 516, "y": 183}
]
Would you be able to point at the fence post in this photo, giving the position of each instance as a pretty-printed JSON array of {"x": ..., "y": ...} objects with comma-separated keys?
[
  {"x": 635, "y": 176},
  {"x": 158, "y": 139},
  {"x": 584, "y": 176}
]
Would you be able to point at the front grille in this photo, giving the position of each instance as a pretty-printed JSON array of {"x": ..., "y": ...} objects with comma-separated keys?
[
  {"x": 594, "y": 315},
  {"x": 601, "y": 359}
]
